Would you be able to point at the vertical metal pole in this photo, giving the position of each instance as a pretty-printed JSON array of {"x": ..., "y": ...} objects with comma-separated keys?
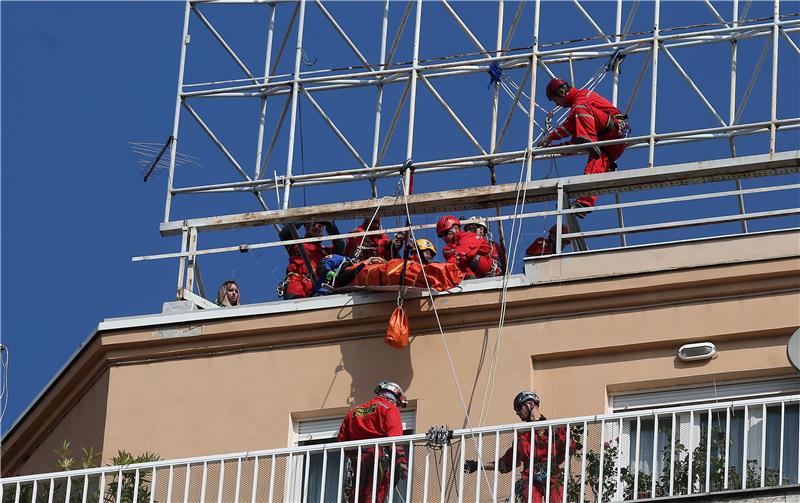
[
  {"x": 602, "y": 457},
  {"x": 191, "y": 259},
  {"x": 412, "y": 104},
  {"x": 585, "y": 441},
  {"x": 496, "y": 460},
  {"x": 493, "y": 127},
  {"x": 534, "y": 73},
  {"x": 461, "y": 472},
  {"x": 732, "y": 108},
  {"x": 653, "y": 477},
  {"x": 561, "y": 197},
  {"x": 672, "y": 455},
  {"x": 763, "y": 460},
  {"x": 623, "y": 240},
  {"x": 409, "y": 480},
  {"x": 566, "y": 465},
  {"x": 298, "y": 56},
  {"x": 654, "y": 86},
  {"x": 727, "y": 445},
  {"x": 254, "y": 489},
  {"x": 774, "y": 103},
  {"x": 379, "y": 106},
  {"x": 176, "y": 121},
  {"x": 203, "y": 482},
  {"x": 263, "y": 114},
  {"x": 496, "y": 87},
  {"x": 744, "y": 447},
  {"x": 185, "y": 485},
  {"x": 780, "y": 452},
  {"x": 691, "y": 449},
  {"x": 182, "y": 260},
  {"x": 617, "y": 38},
  {"x": 708, "y": 452},
  {"x": 635, "y": 489}
]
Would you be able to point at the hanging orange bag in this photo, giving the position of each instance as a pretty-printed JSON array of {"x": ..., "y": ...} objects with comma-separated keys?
[{"x": 397, "y": 332}]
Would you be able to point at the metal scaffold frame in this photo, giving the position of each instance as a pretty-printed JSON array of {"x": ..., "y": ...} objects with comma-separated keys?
[{"x": 655, "y": 45}]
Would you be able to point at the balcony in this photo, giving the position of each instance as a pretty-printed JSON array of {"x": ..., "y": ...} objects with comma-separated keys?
[{"x": 722, "y": 448}]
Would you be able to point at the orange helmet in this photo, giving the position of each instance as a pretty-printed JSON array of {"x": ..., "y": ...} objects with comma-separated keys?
[
  {"x": 445, "y": 223},
  {"x": 553, "y": 86}
]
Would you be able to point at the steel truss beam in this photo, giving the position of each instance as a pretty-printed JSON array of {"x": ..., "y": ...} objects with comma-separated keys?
[
  {"x": 504, "y": 195},
  {"x": 653, "y": 46}
]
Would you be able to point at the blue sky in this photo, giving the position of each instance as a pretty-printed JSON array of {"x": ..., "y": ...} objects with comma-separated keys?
[{"x": 79, "y": 80}]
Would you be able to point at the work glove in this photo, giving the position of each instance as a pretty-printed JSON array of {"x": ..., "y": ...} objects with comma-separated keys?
[
  {"x": 545, "y": 141},
  {"x": 470, "y": 466}
]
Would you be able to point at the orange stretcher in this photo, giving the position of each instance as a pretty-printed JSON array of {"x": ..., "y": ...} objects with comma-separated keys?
[{"x": 440, "y": 276}]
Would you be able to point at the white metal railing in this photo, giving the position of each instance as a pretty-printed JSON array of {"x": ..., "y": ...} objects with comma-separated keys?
[{"x": 633, "y": 455}]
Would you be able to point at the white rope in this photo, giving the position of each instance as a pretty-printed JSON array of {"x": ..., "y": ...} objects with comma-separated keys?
[
  {"x": 444, "y": 340},
  {"x": 591, "y": 84},
  {"x": 374, "y": 215}
]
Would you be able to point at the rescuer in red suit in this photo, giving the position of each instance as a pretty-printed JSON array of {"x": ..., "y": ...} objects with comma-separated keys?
[
  {"x": 526, "y": 405},
  {"x": 465, "y": 249},
  {"x": 547, "y": 246},
  {"x": 298, "y": 282},
  {"x": 479, "y": 226},
  {"x": 591, "y": 118},
  {"x": 377, "y": 418},
  {"x": 374, "y": 245},
  {"x": 426, "y": 249}
]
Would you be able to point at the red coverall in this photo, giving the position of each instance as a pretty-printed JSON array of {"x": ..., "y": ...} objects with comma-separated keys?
[
  {"x": 591, "y": 118},
  {"x": 558, "y": 448},
  {"x": 298, "y": 284},
  {"x": 375, "y": 245},
  {"x": 540, "y": 246},
  {"x": 374, "y": 419},
  {"x": 470, "y": 253},
  {"x": 498, "y": 255}
]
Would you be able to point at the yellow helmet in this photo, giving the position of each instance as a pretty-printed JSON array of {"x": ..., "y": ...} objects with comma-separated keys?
[{"x": 424, "y": 244}]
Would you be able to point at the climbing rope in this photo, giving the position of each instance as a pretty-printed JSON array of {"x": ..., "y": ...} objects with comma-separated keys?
[{"x": 444, "y": 338}]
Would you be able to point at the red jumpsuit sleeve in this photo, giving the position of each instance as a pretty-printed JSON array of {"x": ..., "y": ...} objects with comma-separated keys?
[
  {"x": 585, "y": 121},
  {"x": 352, "y": 243},
  {"x": 560, "y": 445},
  {"x": 393, "y": 425},
  {"x": 523, "y": 454},
  {"x": 566, "y": 129},
  {"x": 449, "y": 253}
]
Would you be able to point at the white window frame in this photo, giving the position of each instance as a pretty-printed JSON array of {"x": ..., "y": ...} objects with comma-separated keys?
[
  {"x": 696, "y": 394},
  {"x": 326, "y": 428}
]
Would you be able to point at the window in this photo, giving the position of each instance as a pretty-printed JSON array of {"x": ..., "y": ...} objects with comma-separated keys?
[
  {"x": 755, "y": 436},
  {"x": 323, "y": 431}
]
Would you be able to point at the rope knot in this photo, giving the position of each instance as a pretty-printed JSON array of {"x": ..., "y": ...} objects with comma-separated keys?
[{"x": 495, "y": 74}]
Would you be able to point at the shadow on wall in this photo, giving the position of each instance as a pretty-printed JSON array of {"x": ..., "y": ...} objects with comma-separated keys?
[{"x": 369, "y": 361}]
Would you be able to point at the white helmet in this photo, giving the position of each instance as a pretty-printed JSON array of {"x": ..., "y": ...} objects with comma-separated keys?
[
  {"x": 392, "y": 391},
  {"x": 475, "y": 221}
]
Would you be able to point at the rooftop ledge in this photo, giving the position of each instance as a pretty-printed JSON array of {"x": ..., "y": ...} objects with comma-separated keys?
[{"x": 577, "y": 266}]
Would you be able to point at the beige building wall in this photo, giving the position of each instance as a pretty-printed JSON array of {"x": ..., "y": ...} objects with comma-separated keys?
[
  {"x": 237, "y": 383},
  {"x": 247, "y": 401},
  {"x": 83, "y": 425}
]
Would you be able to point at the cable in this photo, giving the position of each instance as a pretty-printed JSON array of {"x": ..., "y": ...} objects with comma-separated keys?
[
  {"x": 441, "y": 332},
  {"x": 4, "y": 359}
]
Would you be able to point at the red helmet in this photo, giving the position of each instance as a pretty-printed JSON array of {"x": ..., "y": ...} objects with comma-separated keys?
[
  {"x": 553, "y": 86},
  {"x": 445, "y": 223}
]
